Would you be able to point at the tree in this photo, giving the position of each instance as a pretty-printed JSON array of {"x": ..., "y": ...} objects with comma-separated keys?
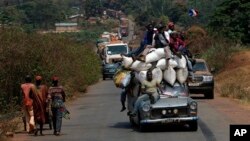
[
  {"x": 42, "y": 14},
  {"x": 92, "y": 8},
  {"x": 232, "y": 18}
]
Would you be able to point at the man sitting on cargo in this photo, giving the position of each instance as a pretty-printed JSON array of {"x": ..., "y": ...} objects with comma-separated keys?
[
  {"x": 147, "y": 41},
  {"x": 148, "y": 90}
]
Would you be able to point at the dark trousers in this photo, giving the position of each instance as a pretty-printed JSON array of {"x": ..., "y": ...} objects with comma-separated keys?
[
  {"x": 57, "y": 119},
  {"x": 137, "y": 51}
]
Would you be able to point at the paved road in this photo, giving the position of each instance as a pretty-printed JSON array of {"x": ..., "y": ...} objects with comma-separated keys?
[{"x": 96, "y": 116}]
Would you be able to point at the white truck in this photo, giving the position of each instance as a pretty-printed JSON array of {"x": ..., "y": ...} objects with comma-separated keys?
[
  {"x": 112, "y": 56},
  {"x": 113, "y": 50}
]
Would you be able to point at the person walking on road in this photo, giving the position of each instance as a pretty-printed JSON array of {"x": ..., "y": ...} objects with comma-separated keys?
[
  {"x": 40, "y": 104},
  {"x": 28, "y": 89},
  {"x": 56, "y": 96}
]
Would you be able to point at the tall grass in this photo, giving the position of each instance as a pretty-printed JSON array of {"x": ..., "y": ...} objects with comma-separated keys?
[
  {"x": 76, "y": 64},
  {"x": 235, "y": 90}
]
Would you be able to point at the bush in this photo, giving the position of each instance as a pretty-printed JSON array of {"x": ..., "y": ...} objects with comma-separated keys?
[
  {"x": 52, "y": 54},
  {"x": 235, "y": 90}
]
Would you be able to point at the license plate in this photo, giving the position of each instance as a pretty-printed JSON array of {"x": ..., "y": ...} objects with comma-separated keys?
[
  {"x": 170, "y": 120},
  {"x": 193, "y": 84},
  {"x": 112, "y": 70}
]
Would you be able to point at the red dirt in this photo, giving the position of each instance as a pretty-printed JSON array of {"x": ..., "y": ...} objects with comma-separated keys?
[{"x": 237, "y": 111}]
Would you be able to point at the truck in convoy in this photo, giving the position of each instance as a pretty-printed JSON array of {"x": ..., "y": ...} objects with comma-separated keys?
[
  {"x": 124, "y": 27},
  {"x": 112, "y": 57},
  {"x": 113, "y": 50}
]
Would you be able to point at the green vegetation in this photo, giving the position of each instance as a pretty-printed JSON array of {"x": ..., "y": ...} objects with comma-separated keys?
[
  {"x": 52, "y": 54},
  {"x": 232, "y": 18}
]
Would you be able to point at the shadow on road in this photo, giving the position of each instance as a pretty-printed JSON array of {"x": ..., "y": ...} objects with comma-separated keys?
[
  {"x": 153, "y": 128},
  {"x": 124, "y": 125},
  {"x": 165, "y": 128}
]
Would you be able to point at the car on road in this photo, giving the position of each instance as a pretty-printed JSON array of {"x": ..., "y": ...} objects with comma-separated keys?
[
  {"x": 174, "y": 107},
  {"x": 108, "y": 70},
  {"x": 203, "y": 80}
]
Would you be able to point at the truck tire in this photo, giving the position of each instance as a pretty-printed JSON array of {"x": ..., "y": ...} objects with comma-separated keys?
[
  {"x": 132, "y": 122},
  {"x": 142, "y": 127},
  {"x": 210, "y": 94},
  {"x": 193, "y": 125}
]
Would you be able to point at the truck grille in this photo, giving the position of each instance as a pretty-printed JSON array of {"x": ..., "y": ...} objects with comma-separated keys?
[
  {"x": 157, "y": 113},
  {"x": 198, "y": 79}
]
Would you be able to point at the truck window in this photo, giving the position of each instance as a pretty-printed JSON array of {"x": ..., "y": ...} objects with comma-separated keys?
[
  {"x": 118, "y": 49},
  {"x": 199, "y": 66}
]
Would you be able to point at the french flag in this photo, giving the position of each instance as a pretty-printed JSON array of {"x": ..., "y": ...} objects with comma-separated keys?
[{"x": 193, "y": 12}]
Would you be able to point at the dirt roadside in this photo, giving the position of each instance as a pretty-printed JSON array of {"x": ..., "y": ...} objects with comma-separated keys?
[{"x": 236, "y": 110}]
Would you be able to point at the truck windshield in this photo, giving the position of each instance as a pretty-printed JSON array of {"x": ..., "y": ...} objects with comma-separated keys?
[
  {"x": 199, "y": 66},
  {"x": 118, "y": 49}
]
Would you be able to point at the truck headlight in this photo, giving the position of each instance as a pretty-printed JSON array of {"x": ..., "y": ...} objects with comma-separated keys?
[
  {"x": 146, "y": 107},
  {"x": 207, "y": 78},
  {"x": 164, "y": 112},
  {"x": 175, "y": 111},
  {"x": 193, "y": 105}
]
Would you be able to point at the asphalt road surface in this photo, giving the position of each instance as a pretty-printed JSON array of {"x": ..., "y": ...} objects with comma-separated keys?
[{"x": 96, "y": 116}]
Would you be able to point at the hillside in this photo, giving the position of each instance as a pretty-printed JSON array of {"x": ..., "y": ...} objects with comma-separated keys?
[{"x": 234, "y": 80}]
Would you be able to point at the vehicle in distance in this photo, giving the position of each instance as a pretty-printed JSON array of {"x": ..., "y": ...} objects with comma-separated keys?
[
  {"x": 203, "y": 80},
  {"x": 108, "y": 70}
]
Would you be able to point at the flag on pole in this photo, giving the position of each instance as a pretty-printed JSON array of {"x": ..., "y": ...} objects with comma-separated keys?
[{"x": 193, "y": 12}]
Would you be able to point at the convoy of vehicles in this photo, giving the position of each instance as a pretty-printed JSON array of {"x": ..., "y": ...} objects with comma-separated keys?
[
  {"x": 175, "y": 106},
  {"x": 110, "y": 49}
]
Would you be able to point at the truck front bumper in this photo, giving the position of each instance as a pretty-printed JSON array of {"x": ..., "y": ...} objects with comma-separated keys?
[{"x": 169, "y": 120}]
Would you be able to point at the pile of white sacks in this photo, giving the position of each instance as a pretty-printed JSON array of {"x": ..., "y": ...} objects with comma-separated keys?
[{"x": 176, "y": 71}]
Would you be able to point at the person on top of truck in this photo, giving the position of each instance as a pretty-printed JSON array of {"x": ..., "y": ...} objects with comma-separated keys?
[
  {"x": 170, "y": 27},
  {"x": 147, "y": 41}
]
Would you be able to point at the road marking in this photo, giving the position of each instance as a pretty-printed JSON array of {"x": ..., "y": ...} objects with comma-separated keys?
[{"x": 209, "y": 135}]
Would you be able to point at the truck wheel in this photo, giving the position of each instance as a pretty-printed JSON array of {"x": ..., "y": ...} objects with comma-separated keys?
[
  {"x": 210, "y": 94},
  {"x": 132, "y": 122},
  {"x": 193, "y": 125},
  {"x": 142, "y": 127}
]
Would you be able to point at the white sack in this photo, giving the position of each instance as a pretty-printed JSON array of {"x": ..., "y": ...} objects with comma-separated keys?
[
  {"x": 152, "y": 57},
  {"x": 126, "y": 80},
  {"x": 181, "y": 75},
  {"x": 173, "y": 63},
  {"x": 160, "y": 52},
  {"x": 157, "y": 75},
  {"x": 127, "y": 61},
  {"x": 182, "y": 63},
  {"x": 140, "y": 66},
  {"x": 161, "y": 64},
  {"x": 170, "y": 75},
  {"x": 142, "y": 76}
]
